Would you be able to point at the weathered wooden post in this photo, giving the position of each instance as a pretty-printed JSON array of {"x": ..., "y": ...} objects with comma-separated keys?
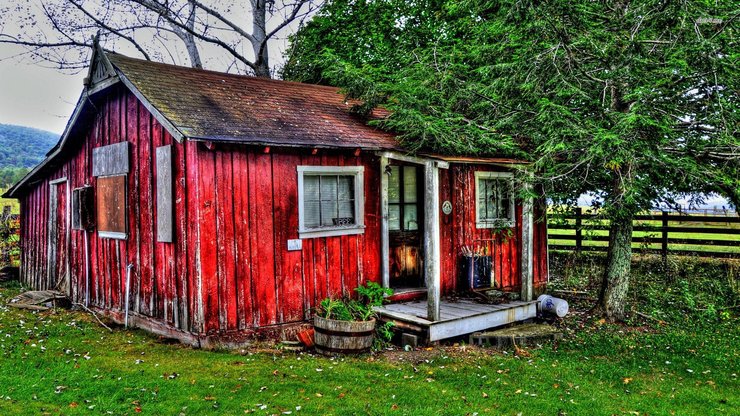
[
  {"x": 579, "y": 232},
  {"x": 431, "y": 239},
  {"x": 664, "y": 237}
]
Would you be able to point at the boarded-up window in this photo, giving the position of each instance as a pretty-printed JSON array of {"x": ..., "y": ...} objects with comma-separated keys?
[
  {"x": 111, "y": 206},
  {"x": 110, "y": 165},
  {"x": 330, "y": 201},
  {"x": 164, "y": 194}
]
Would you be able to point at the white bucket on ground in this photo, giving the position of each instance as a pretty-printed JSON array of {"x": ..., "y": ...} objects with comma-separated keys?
[{"x": 553, "y": 305}]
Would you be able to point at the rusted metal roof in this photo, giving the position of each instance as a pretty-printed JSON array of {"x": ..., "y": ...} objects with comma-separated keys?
[{"x": 214, "y": 106}]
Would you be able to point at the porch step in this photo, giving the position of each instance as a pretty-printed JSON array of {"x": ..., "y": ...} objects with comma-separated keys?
[
  {"x": 456, "y": 318},
  {"x": 519, "y": 335}
]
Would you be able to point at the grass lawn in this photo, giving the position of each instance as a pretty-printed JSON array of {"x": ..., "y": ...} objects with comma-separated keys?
[
  {"x": 63, "y": 362},
  {"x": 15, "y": 207}
]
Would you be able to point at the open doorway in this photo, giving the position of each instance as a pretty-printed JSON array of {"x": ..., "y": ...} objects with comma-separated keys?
[{"x": 405, "y": 222}]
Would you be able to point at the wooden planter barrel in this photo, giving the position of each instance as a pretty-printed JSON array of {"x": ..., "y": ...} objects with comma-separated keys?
[{"x": 343, "y": 337}]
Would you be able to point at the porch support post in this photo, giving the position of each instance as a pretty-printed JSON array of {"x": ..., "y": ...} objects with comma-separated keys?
[
  {"x": 527, "y": 243},
  {"x": 384, "y": 243},
  {"x": 431, "y": 239}
]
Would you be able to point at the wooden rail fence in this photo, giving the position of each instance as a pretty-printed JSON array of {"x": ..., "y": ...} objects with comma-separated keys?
[{"x": 654, "y": 233}]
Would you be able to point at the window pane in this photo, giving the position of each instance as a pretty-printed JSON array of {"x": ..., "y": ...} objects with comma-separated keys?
[
  {"x": 394, "y": 222},
  {"x": 492, "y": 199},
  {"x": 311, "y": 214},
  {"x": 310, "y": 188},
  {"x": 346, "y": 188},
  {"x": 409, "y": 184},
  {"x": 394, "y": 187},
  {"x": 328, "y": 188},
  {"x": 328, "y": 212},
  {"x": 504, "y": 209},
  {"x": 347, "y": 212},
  {"x": 410, "y": 221}
]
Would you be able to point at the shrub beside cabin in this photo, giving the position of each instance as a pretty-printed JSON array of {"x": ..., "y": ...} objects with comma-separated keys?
[{"x": 233, "y": 204}]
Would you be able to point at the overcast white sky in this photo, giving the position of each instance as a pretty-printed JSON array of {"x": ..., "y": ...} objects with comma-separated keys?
[{"x": 35, "y": 95}]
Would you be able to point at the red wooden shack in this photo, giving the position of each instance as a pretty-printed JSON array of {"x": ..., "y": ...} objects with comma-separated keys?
[{"x": 214, "y": 207}]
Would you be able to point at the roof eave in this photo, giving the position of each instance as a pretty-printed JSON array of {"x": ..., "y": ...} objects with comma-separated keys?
[
  {"x": 287, "y": 144},
  {"x": 56, "y": 150}
]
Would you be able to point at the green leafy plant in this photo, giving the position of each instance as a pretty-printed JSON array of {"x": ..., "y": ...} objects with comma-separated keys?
[{"x": 360, "y": 309}]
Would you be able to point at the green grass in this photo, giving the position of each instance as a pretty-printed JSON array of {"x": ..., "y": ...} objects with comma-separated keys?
[
  {"x": 15, "y": 206},
  {"x": 62, "y": 362}
]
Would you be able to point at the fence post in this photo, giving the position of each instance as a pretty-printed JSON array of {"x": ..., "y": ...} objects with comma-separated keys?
[
  {"x": 579, "y": 235},
  {"x": 664, "y": 236}
]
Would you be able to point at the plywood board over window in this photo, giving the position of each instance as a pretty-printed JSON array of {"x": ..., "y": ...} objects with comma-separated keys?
[
  {"x": 111, "y": 203},
  {"x": 111, "y": 165},
  {"x": 164, "y": 194}
]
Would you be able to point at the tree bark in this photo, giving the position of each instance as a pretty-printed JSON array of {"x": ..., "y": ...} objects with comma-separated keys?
[
  {"x": 615, "y": 281},
  {"x": 259, "y": 41}
]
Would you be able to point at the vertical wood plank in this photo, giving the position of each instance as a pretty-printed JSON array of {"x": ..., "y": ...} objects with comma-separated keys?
[
  {"x": 146, "y": 239},
  {"x": 288, "y": 270},
  {"x": 261, "y": 207},
  {"x": 194, "y": 259},
  {"x": 182, "y": 276},
  {"x": 207, "y": 236},
  {"x": 242, "y": 232},
  {"x": 134, "y": 209},
  {"x": 225, "y": 218}
]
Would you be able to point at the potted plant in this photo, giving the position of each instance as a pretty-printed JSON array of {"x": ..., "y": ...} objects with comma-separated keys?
[{"x": 347, "y": 326}]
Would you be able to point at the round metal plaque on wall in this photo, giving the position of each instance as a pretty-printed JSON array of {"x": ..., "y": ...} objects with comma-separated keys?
[{"x": 447, "y": 207}]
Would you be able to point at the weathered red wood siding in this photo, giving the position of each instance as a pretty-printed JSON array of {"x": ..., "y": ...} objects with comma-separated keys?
[
  {"x": 457, "y": 185},
  {"x": 156, "y": 290},
  {"x": 246, "y": 205},
  {"x": 235, "y": 208}
]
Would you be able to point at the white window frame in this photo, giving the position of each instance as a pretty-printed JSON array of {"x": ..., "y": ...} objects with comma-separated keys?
[
  {"x": 358, "y": 172},
  {"x": 497, "y": 223}
]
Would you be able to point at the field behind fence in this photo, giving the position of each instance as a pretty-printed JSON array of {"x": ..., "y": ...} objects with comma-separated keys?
[{"x": 664, "y": 233}]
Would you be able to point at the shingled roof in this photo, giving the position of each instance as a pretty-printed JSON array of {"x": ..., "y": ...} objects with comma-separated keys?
[{"x": 214, "y": 106}]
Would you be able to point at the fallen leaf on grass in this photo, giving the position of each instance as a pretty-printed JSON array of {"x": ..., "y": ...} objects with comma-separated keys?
[{"x": 626, "y": 380}]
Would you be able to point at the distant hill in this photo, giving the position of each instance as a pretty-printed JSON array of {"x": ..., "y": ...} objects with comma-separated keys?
[
  {"x": 24, "y": 147},
  {"x": 21, "y": 148}
]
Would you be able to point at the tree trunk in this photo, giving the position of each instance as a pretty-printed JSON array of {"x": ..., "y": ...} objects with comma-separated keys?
[
  {"x": 259, "y": 42},
  {"x": 615, "y": 283}
]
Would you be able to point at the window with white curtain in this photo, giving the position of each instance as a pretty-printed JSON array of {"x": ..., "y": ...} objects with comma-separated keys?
[{"x": 330, "y": 201}]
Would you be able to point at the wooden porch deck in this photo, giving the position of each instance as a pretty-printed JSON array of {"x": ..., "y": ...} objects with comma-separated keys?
[{"x": 456, "y": 318}]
